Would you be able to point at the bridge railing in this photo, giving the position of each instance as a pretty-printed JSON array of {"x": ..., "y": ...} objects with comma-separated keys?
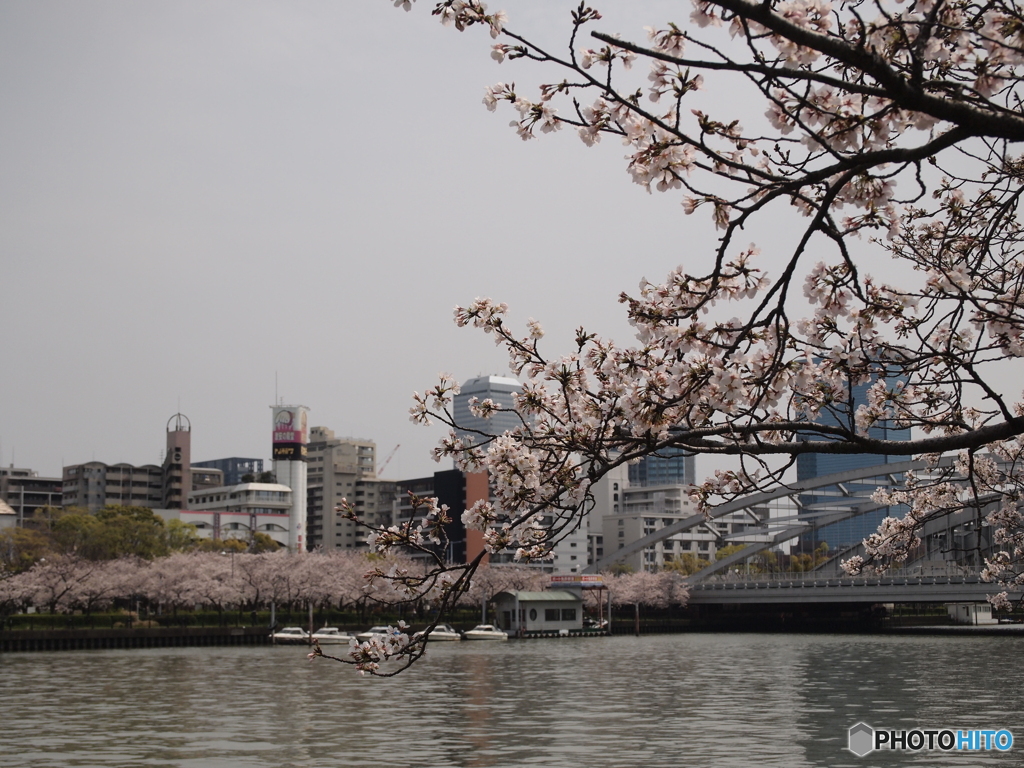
[{"x": 951, "y": 573}]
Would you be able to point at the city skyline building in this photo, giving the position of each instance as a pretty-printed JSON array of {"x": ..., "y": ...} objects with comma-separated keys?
[
  {"x": 344, "y": 469},
  {"x": 670, "y": 466},
  {"x": 811, "y": 465},
  {"x": 96, "y": 484},
  {"x": 501, "y": 390},
  {"x": 233, "y": 468},
  {"x": 475, "y": 430},
  {"x": 624, "y": 513},
  {"x": 449, "y": 488},
  {"x": 24, "y": 491},
  {"x": 240, "y": 511},
  {"x": 177, "y": 470},
  {"x": 289, "y": 446}
]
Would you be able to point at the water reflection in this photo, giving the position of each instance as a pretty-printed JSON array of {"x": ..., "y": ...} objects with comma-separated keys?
[{"x": 721, "y": 700}]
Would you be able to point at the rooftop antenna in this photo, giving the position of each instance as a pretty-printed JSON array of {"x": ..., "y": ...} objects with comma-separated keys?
[{"x": 275, "y": 386}]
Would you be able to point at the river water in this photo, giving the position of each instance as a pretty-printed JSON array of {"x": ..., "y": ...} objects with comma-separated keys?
[{"x": 666, "y": 700}]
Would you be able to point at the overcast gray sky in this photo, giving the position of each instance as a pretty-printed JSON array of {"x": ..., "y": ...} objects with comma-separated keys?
[{"x": 196, "y": 197}]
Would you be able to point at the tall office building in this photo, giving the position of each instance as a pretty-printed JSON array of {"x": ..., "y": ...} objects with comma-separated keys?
[
  {"x": 811, "y": 465},
  {"x": 499, "y": 389},
  {"x": 289, "y": 450},
  {"x": 671, "y": 466}
]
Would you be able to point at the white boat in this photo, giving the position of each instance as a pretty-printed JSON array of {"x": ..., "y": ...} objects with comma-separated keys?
[
  {"x": 378, "y": 631},
  {"x": 443, "y": 632},
  {"x": 291, "y": 635},
  {"x": 331, "y": 636},
  {"x": 486, "y": 632}
]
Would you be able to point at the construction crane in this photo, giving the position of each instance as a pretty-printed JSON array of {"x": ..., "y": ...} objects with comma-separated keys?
[{"x": 380, "y": 469}]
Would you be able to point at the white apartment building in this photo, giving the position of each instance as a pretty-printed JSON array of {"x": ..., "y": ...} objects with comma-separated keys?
[
  {"x": 239, "y": 511},
  {"x": 628, "y": 513}
]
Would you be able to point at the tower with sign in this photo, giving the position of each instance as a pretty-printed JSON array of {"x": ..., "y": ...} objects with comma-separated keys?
[{"x": 291, "y": 434}]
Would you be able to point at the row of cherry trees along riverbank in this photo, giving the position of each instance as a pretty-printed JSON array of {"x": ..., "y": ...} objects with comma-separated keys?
[{"x": 221, "y": 581}]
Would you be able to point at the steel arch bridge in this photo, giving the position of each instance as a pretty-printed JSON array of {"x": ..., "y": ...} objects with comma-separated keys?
[{"x": 851, "y": 499}]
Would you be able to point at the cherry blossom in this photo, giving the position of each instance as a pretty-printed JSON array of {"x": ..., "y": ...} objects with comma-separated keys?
[{"x": 893, "y": 132}]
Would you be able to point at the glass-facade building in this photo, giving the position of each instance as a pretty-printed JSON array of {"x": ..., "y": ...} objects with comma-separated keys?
[
  {"x": 670, "y": 466},
  {"x": 811, "y": 465},
  {"x": 233, "y": 468},
  {"x": 499, "y": 389}
]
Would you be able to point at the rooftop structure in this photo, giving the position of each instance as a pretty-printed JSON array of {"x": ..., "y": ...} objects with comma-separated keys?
[{"x": 232, "y": 468}]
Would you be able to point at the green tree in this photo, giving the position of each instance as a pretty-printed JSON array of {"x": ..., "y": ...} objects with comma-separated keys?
[
  {"x": 731, "y": 549},
  {"x": 181, "y": 537},
  {"x": 135, "y": 531},
  {"x": 114, "y": 531},
  {"x": 687, "y": 563},
  {"x": 767, "y": 562},
  {"x": 223, "y": 545},
  {"x": 21, "y": 548},
  {"x": 617, "y": 569},
  {"x": 263, "y": 542},
  {"x": 76, "y": 532}
]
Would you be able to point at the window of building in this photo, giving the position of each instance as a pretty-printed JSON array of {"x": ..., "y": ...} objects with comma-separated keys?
[
  {"x": 551, "y": 614},
  {"x": 568, "y": 614}
]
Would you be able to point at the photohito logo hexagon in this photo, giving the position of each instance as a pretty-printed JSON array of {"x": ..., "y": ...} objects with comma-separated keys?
[{"x": 861, "y": 739}]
